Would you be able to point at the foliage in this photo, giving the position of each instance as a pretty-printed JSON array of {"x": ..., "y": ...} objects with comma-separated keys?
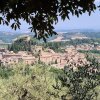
[
  {"x": 90, "y": 51},
  {"x": 57, "y": 46},
  {"x": 81, "y": 83},
  {"x": 41, "y": 15},
  {"x": 22, "y": 45},
  {"x": 42, "y": 82},
  {"x": 28, "y": 83},
  {"x": 5, "y": 72}
]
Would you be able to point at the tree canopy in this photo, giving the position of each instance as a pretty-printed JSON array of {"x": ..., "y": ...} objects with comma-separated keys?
[{"x": 42, "y": 14}]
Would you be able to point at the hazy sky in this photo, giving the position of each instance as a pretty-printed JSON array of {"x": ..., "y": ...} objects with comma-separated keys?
[{"x": 83, "y": 22}]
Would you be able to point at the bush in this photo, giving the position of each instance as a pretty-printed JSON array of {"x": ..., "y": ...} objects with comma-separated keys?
[
  {"x": 82, "y": 83},
  {"x": 6, "y": 72}
]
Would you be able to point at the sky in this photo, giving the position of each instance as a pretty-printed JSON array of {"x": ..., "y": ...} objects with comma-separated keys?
[{"x": 83, "y": 22}]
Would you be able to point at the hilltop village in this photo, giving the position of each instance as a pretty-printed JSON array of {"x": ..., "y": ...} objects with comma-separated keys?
[
  {"x": 47, "y": 56},
  {"x": 40, "y": 54}
]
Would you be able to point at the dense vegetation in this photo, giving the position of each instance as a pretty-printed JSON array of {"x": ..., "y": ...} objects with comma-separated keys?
[
  {"x": 27, "y": 83},
  {"x": 42, "y": 82},
  {"x": 90, "y": 51},
  {"x": 59, "y": 46},
  {"x": 21, "y": 44},
  {"x": 82, "y": 84}
]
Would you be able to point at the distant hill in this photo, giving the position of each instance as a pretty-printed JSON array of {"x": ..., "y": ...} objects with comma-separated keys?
[
  {"x": 75, "y": 34},
  {"x": 79, "y": 30},
  {"x": 8, "y": 37},
  {"x": 63, "y": 35}
]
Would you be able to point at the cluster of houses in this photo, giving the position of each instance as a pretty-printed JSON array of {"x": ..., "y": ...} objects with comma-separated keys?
[
  {"x": 70, "y": 57},
  {"x": 9, "y": 57}
]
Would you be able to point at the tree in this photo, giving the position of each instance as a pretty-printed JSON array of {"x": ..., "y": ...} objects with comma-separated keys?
[
  {"x": 82, "y": 83},
  {"x": 42, "y": 14},
  {"x": 24, "y": 82}
]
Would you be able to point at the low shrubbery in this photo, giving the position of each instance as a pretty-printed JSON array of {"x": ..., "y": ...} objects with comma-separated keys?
[{"x": 42, "y": 82}]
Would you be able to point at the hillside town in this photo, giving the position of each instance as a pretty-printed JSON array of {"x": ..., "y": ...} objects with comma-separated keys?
[{"x": 70, "y": 57}]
